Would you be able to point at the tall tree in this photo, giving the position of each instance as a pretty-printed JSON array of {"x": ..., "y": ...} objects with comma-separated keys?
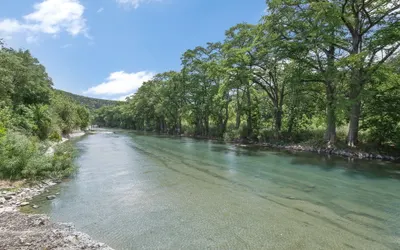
[{"x": 372, "y": 37}]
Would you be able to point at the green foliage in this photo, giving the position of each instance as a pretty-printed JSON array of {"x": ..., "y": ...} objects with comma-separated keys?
[
  {"x": 84, "y": 117},
  {"x": 88, "y": 102},
  {"x": 5, "y": 119},
  {"x": 62, "y": 161},
  {"x": 55, "y": 136},
  {"x": 16, "y": 153},
  {"x": 23, "y": 157},
  {"x": 31, "y": 112},
  {"x": 69, "y": 115},
  {"x": 43, "y": 121},
  {"x": 381, "y": 116}
]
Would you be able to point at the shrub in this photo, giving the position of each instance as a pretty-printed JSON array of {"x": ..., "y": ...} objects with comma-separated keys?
[
  {"x": 23, "y": 157},
  {"x": 63, "y": 161},
  {"x": 16, "y": 150},
  {"x": 55, "y": 136}
]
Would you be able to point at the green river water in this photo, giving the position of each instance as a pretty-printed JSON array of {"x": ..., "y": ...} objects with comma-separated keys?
[{"x": 135, "y": 191}]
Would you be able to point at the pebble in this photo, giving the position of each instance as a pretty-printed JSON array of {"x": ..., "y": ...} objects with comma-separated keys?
[
  {"x": 51, "y": 197},
  {"x": 35, "y": 206},
  {"x": 24, "y": 204}
]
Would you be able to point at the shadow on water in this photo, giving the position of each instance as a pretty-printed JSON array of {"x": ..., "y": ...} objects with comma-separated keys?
[{"x": 372, "y": 169}]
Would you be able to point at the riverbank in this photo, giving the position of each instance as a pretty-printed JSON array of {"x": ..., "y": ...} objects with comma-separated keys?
[
  {"x": 352, "y": 153},
  {"x": 337, "y": 150},
  {"x": 342, "y": 151},
  {"x": 50, "y": 150},
  {"x": 21, "y": 231},
  {"x": 26, "y": 231}
]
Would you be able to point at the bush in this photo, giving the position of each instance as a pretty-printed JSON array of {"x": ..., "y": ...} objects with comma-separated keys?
[
  {"x": 63, "y": 161},
  {"x": 23, "y": 157},
  {"x": 16, "y": 151},
  {"x": 55, "y": 136}
]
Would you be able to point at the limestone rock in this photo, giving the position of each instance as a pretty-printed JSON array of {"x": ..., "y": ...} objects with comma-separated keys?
[
  {"x": 51, "y": 197},
  {"x": 24, "y": 204}
]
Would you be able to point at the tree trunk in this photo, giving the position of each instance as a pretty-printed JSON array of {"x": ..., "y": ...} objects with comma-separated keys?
[
  {"x": 198, "y": 126},
  {"x": 180, "y": 126},
  {"x": 207, "y": 125},
  {"x": 226, "y": 119},
  {"x": 330, "y": 78},
  {"x": 249, "y": 115},
  {"x": 355, "y": 112},
  {"x": 330, "y": 134},
  {"x": 356, "y": 85},
  {"x": 278, "y": 120},
  {"x": 237, "y": 109},
  {"x": 290, "y": 124}
]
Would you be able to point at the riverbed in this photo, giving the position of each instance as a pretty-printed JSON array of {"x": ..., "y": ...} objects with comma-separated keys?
[{"x": 136, "y": 191}]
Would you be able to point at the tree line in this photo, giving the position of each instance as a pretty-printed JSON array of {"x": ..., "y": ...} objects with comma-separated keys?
[
  {"x": 326, "y": 70},
  {"x": 32, "y": 114}
]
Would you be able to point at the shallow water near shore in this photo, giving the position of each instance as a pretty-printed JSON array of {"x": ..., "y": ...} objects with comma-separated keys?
[{"x": 135, "y": 191}]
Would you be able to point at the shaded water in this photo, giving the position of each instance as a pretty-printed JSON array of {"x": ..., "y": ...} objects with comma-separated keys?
[{"x": 145, "y": 192}]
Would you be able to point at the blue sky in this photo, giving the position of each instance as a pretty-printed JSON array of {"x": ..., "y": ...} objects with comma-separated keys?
[{"x": 107, "y": 48}]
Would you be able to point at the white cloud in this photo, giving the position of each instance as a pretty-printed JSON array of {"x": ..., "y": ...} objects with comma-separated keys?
[
  {"x": 119, "y": 83},
  {"x": 32, "y": 39},
  {"x": 134, "y": 3},
  {"x": 49, "y": 17},
  {"x": 10, "y": 26},
  {"x": 100, "y": 10},
  {"x": 66, "y": 46}
]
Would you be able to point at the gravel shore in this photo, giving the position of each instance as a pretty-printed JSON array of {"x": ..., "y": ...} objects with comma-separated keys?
[{"x": 26, "y": 231}]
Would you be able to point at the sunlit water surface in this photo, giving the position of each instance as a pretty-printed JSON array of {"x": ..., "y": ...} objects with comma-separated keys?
[{"x": 137, "y": 191}]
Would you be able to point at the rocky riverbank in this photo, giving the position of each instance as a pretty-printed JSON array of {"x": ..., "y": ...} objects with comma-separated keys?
[
  {"x": 348, "y": 153},
  {"x": 24, "y": 231},
  {"x": 15, "y": 197},
  {"x": 21, "y": 231},
  {"x": 50, "y": 150},
  {"x": 352, "y": 153}
]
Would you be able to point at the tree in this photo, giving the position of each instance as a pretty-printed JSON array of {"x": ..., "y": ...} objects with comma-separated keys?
[
  {"x": 372, "y": 37},
  {"x": 308, "y": 32}
]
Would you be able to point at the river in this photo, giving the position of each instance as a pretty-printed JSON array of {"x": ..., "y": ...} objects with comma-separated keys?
[{"x": 135, "y": 191}]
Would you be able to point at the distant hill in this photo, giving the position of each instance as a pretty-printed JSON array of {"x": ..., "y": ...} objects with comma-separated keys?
[{"x": 90, "y": 103}]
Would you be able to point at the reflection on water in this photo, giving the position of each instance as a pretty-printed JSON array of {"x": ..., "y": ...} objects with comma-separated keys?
[{"x": 135, "y": 191}]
